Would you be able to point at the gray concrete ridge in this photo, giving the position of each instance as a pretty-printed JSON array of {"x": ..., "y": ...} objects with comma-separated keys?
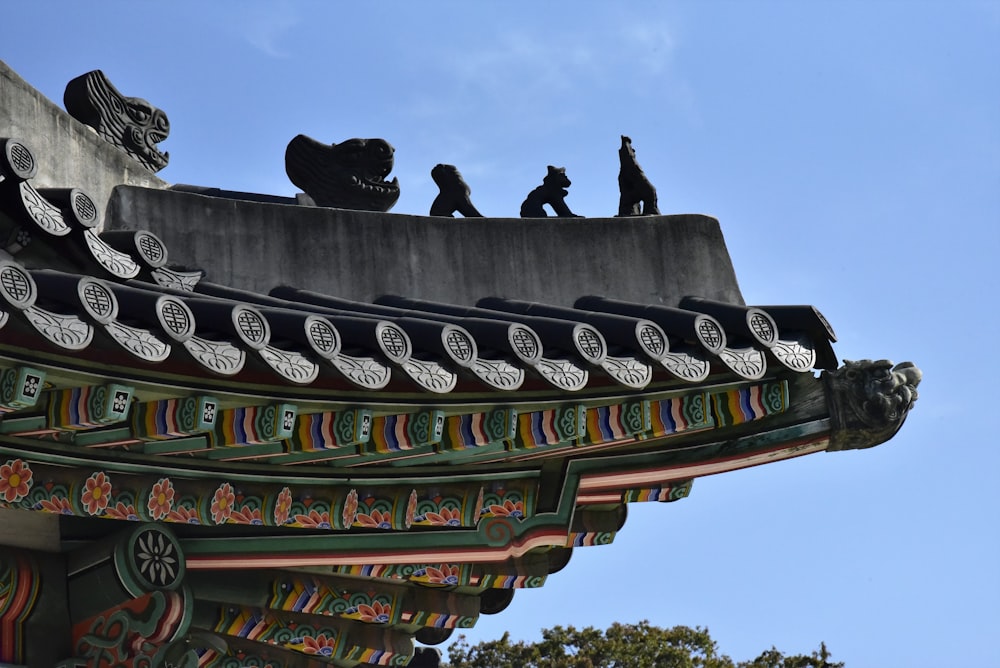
[{"x": 360, "y": 255}]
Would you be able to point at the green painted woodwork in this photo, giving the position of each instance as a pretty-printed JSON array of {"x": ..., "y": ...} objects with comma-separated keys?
[
  {"x": 20, "y": 387},
  {"x": 174, "y": 446},
  {"x": 12, "y": 424}
]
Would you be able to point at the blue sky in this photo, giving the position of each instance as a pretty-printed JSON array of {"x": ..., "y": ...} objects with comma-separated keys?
[{"x": 851, "y": 151}]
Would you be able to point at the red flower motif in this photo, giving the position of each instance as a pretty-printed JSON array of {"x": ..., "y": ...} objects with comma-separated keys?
[
  {"x": 450, "y": 517},
  {"x": 161, "y": 499},
  {"x": 445, "y": 575},
  {"x": 508, "y": 509},
  {"x": 479, "y": 505},
  {"x": 376, "y": 613},
  {"x": 350, "y": 508},
  {"x": 222, "y": 503},
  {"x": 377, "y": 519},
  {"x": 247, "y": 516},
  {"x": 15, "y": 480},
  {"x": 283, "y": 507},
  {"x": 57, "y": 504},
  {"x": 96, "y": 493},
  {"x": 411, "y": 509},
  {"x": 184, "y": 515},
  {"x": 314, "y": 520},
  {"x": 320, "y": 645},
  {"x": 121, "y": 511}
]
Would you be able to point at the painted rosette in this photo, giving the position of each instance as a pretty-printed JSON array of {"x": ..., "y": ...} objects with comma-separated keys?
[{"x": 150, "y": 560}]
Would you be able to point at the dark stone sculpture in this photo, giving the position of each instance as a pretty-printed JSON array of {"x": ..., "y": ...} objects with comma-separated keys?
[
  {"x": 869, "y": 401},
  {"x": 348, "y": 175},
  {"x": 635, "y": 188},
  {"x": 130, "y": 123},
  {"x": 454, "y": 195},
  {"x": 552, "y": 192}
]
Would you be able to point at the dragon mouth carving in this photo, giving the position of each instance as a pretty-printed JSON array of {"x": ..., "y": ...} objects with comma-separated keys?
[
  {"x": 130, "y": 123},
  {"x": 348, "y": 175},
  {"x": 869, "y": 401}
]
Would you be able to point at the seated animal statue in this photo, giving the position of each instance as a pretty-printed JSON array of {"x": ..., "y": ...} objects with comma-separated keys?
[
  {"x": 638, "y": 196},
  {"x": 552, "y": 192},
  {"x": 454, "y": 195},
  {"x": 130, "y": 123},
  {"x": 348, "y": 175}
]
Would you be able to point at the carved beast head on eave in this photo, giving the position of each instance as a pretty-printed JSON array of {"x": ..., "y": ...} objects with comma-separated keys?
[
  {"x": 130, "y": 123},
  {"x": 869, "y": 400}
]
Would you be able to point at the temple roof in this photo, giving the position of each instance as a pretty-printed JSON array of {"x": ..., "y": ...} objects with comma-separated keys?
[{"x": 418, "y": 417}]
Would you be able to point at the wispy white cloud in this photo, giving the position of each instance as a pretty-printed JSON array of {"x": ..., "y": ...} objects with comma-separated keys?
[
  {"x": 265, "y": 27},
  {"x": 650, "y": 46}
]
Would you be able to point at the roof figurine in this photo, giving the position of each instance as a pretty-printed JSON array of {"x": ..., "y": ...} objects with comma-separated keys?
[
  {"x": 638, "y": 196},
  {"x": 454, "y": 195},
  {"x": 130, "y": 123},
  {"x": 348, "y": 175},
  {"x": 552, "y": 192}
]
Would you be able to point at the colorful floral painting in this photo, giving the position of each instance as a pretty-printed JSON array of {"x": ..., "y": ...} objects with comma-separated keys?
[
  {"x": 246, "y": 515},
  {"x": 507, "y": 509},
  {"x": 222, "y": 503},
  {"x": 57, "y": 504},
  {"x": 184, "y": 515},
  {"x": 350, "y": 508},
  {"x": 445, "y": 574},
  {"x": 15, "y": 480},
  {"x": 122, "y": 511},
  {"x": 445, "y": 517},
  {"x": 376, "y": 613},
  {"x": 314, "y": 520},
  {"x": 161, "y": 499},
  {"x": 320, "y": 645},
  {"x": 411, "y": 508},
  {"x": 283, "y": 507},
  {"x": 376, "y": 519},
  {"x": 96, "y": 493}
]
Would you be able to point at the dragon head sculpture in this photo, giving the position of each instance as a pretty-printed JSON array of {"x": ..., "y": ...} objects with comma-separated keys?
[
  {"x": 130, "y": 123},
  {"x": 348, "y": 175},
  {"x": 869, "y": 401}
]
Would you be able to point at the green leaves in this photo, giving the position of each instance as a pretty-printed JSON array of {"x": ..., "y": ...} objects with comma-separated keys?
[{"x": 639, "y": 645}]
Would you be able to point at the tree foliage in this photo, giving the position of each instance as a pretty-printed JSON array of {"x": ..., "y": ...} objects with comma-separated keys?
[{"x": 639, "y": 645}]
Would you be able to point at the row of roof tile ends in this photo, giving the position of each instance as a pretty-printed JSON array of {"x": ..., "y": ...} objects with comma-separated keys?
[
  {"x": 153, "y": 312},
  {"x": 348, "y": 175}
]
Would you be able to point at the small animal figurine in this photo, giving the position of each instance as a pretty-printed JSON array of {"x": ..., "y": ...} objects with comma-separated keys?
[
  {"x": 635, "y": 188},
  {"x": 454, "y": 195},
  {"x": 552, "y": 192}
]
